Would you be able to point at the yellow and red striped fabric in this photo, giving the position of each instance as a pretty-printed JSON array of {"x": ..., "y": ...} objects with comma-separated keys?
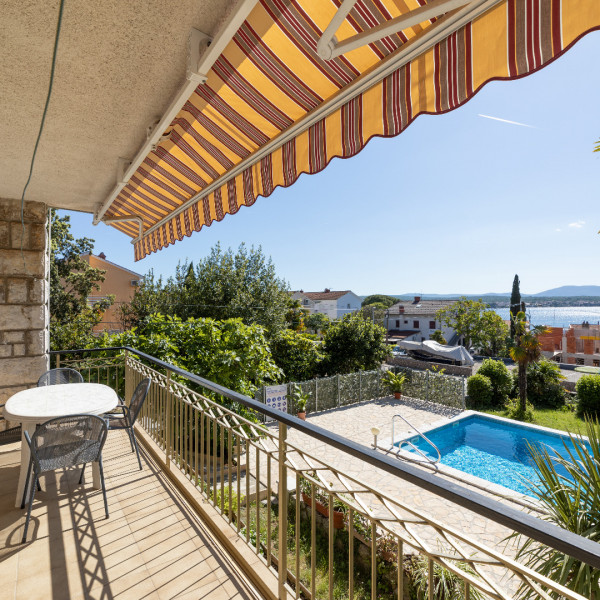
[{"x": 270, "y": 77}]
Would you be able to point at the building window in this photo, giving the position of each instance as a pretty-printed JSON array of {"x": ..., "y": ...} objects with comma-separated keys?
[
  {"x": 431, "y": 324},
  {"x": 348, "y": 305},
  {"x": 415, "y": 324},
  {"x": 596, "y": 363},
  {"x": 579, "y": 361},
  {"x": 397, "y": 324}
]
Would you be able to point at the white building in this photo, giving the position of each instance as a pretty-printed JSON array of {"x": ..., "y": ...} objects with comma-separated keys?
[
  {"x": 416, "y": 320},
  {"x": 334, "y": 304}
]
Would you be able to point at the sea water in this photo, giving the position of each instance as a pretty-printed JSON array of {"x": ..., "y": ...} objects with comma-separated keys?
[{"x": 559, "y": 316}]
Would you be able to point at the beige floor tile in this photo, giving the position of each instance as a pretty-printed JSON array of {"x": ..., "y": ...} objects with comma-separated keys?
[{"x": 152, "y": 547}]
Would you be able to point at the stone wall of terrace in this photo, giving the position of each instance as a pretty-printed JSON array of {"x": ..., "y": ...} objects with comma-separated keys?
[{"x": 24, "y": 291}]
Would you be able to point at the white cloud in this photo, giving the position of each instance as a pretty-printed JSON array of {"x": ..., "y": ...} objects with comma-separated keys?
[
  {"x": 577, "y": 224},
  {"x": 507, "y": 121},
  {"x": 558, "y": 229}
]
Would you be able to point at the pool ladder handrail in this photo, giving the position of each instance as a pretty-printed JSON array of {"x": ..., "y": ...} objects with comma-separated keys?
[{"x": 409, "y": 443}]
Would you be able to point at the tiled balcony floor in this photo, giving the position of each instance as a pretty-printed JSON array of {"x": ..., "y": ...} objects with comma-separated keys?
[{"x": 152, "y": 547}]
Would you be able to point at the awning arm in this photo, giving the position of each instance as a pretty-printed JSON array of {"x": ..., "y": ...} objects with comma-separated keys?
[
  {"x": 328, "y": 47},
  {"x": 135, "y": 218},
  {"x": 201, "y": 58}
]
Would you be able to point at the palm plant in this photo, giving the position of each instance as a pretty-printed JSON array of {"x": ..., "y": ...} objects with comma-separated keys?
[
  {"x": 527, "y": 350},
  {"x": 569, "y": 490}
]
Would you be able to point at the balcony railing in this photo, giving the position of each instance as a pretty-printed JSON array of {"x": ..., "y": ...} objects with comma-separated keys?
[{"x": 278, "y": 497}]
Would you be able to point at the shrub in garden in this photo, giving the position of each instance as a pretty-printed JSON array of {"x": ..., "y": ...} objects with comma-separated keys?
[
  {"x": 296, "y": 354},
  {"x": 500, "y": 378},
  {"x": 514, "y": 410},
  {"x": 479, "y": 391},
  {"x": 543, "y": 384},
  {"x": 588, "y": 395}
]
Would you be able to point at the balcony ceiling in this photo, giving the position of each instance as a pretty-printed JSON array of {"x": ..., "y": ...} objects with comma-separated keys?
[{"x": 119, "y": 65}]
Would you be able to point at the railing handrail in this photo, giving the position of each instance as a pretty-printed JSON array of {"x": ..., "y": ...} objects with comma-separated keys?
[{"x": 551, "y": 535}]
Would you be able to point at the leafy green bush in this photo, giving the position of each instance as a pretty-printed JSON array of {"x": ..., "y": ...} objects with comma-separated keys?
[
  {"x": 514, "y": 410},
  {"x": 499, "y": 376},
  {"x": 543, "y": 384},
  {"x": 479, "y": 391},
  {"x": 438, "y": 336},
  {"x": 588, "y": 395},
  {"x": 296, "y": 354},
  {"x": 354, "y": 344},
  {"x": 229, "y": 352}
]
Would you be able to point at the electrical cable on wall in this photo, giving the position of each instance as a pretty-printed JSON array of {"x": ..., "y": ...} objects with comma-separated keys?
[{"x": 37, "y": 142}]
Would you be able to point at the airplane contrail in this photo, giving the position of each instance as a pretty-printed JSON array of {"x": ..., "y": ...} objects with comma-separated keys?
[{"x": 507, "y": 121}]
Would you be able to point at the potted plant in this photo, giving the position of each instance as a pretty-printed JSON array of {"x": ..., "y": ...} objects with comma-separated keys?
[
  {"x": 300, "y": 400},
  {"x": 394, "y": 382},
  {"x": 321, "y": 503}
]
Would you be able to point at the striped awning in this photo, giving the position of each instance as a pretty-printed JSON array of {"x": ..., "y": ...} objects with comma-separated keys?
[{"x": 272, "y": 108}]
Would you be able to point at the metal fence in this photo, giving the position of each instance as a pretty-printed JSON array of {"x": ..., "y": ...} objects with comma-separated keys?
[
  {"x": 319, "y": 529},
  {"x": 326, "y": 393}
]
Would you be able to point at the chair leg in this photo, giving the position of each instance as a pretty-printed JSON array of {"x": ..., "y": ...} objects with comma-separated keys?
[
  {"x": 130, "y": 438},
  {"x": 136, "y": 447},
  {"x": 33, "y": 488},
  {"x": 103, "y": 486},
  {"x": 82, "y": 472},
  {"x": 29, "y": 468}
]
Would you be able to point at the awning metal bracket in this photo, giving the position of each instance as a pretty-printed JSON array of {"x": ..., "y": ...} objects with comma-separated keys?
[
  {"x": 198, "y": 41},
  {"x": 124, "y": 218},
  {"x": 329, "y": 47}
]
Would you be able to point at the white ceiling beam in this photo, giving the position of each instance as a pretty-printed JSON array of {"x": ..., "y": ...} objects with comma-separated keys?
[
  {"x": 201, "y": 58},
  {"x": 328, "y": 47}
]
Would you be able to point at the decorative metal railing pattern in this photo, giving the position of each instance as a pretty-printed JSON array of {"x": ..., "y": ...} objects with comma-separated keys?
[{"x": 273, "y": 494}]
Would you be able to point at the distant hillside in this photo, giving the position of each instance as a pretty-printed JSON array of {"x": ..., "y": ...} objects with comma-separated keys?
[{"x": 572, "y": 290}]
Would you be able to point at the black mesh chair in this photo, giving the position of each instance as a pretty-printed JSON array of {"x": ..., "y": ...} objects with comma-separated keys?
[
  {"x": 59, "y": 376},
  {"x": 9, "y": 436},
  {"x": 126, "y": 420},
  {"x": 64, "y": 442}
]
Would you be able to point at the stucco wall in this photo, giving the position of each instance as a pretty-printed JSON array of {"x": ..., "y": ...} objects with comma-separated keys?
[
  {"x": 117, "y": 281},
  {"x": 24, "y": 338}
]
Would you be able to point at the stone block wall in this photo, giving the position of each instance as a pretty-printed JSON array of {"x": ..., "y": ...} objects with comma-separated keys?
[{"x": 24, "y": 289}]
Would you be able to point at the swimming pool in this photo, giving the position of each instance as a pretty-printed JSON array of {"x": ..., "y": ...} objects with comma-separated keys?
[{"x": 493, "y": 449}]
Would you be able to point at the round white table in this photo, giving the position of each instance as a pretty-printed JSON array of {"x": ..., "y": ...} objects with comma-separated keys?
[{"x": 38, "y": 405}]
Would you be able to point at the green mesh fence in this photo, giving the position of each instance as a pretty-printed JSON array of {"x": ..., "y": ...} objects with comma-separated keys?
[{"x": 343, "y": 390}]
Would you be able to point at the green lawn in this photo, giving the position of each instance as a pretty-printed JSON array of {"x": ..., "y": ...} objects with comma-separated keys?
[{"x": 551, "y": 417}]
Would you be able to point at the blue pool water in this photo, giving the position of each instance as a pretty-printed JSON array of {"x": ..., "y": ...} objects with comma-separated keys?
[{"x": 491, "y": 449}]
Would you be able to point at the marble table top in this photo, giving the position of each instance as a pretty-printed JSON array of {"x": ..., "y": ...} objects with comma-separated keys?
[{"x": 39, "y": 404}]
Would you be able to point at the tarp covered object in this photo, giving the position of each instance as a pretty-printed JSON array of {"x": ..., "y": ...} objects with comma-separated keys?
[{"x": 457, "y": 353}]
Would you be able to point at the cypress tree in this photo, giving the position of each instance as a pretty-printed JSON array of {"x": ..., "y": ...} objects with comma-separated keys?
[{"x": 515, "y": 304}]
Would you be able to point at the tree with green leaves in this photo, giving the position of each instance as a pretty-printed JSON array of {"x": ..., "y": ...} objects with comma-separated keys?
[
  {"x": 223, "y": 285},
  {"x": 353, "y": 344},
  {"x": 515, "y": 304},
  {"x": 478, "y": 325},
  {"x": 296, "y": 354},
  {"x": 438, "y": 336},
  {"x": 317, "y": 322},
  {"x": 386, "y": 301},
  {"x": 72, "y": 280},
  {"x": 526, "y": 350}
]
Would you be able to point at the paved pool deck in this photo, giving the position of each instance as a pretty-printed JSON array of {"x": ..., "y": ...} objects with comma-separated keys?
[{"x": 355, "y": 422}]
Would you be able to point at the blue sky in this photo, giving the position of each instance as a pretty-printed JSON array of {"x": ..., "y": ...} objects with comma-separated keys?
[{"x": 458, "y": 203}]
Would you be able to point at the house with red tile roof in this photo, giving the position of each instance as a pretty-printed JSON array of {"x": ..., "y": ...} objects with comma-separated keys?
[{"x": 334, "y": 304}]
